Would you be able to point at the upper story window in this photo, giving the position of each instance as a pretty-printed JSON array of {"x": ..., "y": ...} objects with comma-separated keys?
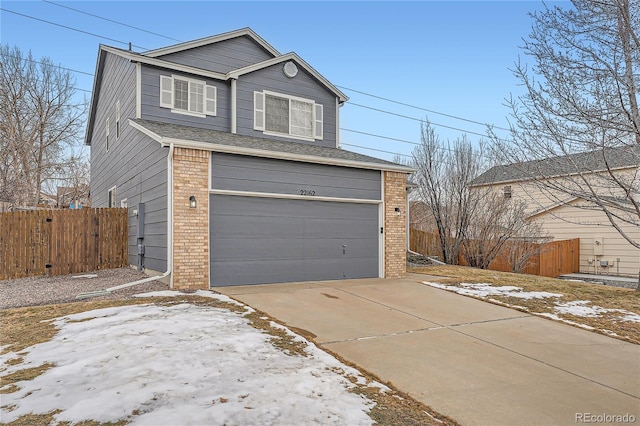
[
  {"x": 506, "y": 191},
  {"x": 187, "y": 96},
  {"x": 276, "y": 113}
]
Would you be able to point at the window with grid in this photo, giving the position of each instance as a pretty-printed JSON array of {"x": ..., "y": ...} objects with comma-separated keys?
[
  {"x": 288, "y": 115},
  {"x": 187, "y": 96}
]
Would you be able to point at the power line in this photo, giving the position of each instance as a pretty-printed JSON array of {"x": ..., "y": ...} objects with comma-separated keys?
[
  {"x": 423, "y": 109},
  {"x": 377, "y": 150},
  {"x": 111, "y": 20},
  {"x": 43, "y": 63},
  {"x": 71, "y": 28},
  {"x": 417, "y": 119},
  {"x": 379, "y": 136}
]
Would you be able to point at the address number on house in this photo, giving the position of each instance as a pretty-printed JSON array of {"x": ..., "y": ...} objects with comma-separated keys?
[{"x": 307, "y": 192}]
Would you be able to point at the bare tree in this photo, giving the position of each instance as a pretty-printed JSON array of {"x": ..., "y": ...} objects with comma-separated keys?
[
  {"x": 580, "y": 109},
  {"x": 475, "y": 222},
  {"x": 495, "y": 222},
  {"x": 39, "y": 119},
  {"x": 443, "y": 174}
]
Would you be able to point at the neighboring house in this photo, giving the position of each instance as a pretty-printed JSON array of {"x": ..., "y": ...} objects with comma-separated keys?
[
  {"x": 227, "y": 155},
  {"x": 565, "y": 216}
]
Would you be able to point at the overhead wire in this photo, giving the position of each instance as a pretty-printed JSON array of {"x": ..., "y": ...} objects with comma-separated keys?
[
  {"x": 422, "y": 109},
  {"x": 343, "y": 87},
  {"x": 71, "y": 28},
  {"x": 114, "y": 21}
]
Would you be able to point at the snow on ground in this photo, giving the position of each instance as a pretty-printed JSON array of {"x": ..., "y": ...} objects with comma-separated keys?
[
  {"x": 580, "y": 308},
  {"x": 181, "y": 364},
  {"x": 484, "y": 290}
]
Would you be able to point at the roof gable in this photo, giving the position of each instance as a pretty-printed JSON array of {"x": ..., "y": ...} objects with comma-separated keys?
[
  {"x": 212, "y": 40},
  {"x": 299, "y": 61}
]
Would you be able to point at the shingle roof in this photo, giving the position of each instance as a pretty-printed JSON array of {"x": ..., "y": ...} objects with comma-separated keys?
[
  {"x": 263, "y": 146},
  {"x": 584, "y": 162}
]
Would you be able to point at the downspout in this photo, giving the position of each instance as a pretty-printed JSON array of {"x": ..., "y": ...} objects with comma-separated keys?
[
  {"x": 233, "y": 105},
  {"x": 108, "y": 291},
  {"x": 408, "y": 225},
  {"x": 170, "y": 214}
]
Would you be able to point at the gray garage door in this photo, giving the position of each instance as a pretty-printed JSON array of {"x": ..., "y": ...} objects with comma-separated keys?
[{"x": 264, "y": 240}]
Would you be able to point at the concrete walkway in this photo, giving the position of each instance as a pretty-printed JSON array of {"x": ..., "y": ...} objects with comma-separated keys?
[{"x": 473, "y": 361}]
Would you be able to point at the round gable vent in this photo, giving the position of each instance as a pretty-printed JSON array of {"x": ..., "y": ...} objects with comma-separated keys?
[{"x": 290, "y": 69}]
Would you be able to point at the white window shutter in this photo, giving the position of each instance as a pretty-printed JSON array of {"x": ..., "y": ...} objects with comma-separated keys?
[
  {"x": 318, "y": 133},
  {"x": 210, "y": 100},
  {"x": 166, "y": 92},
  {"x": 258, "y": 110}
]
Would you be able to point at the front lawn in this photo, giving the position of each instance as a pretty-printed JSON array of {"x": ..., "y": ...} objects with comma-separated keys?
[
  {"x": 605, "y": 309},
  {"x": 173, "y": 358}
]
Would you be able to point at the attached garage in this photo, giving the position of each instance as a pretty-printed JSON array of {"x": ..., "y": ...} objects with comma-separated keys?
[{"x": 281, "y": 221}]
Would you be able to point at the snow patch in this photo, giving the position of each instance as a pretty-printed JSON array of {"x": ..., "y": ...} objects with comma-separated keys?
[
  {"x": 180, "y": 364},
  {"x": 485, "y": 290}
]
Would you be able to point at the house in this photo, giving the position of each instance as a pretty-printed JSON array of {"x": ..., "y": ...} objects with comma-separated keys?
[
  {"x": 227, "y": 155},
  {"x": 556, "y": 192}
]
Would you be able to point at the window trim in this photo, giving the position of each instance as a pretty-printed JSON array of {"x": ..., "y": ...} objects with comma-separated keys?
[
  {"x": 207, "y": 89},
  {"x": 260, "y": 111},
  {"x": 106, "y": 134},
  {"x": 118, "y": 120},
  {"x": 112, "y": 190},
  {"x": 507, "y": 192}
]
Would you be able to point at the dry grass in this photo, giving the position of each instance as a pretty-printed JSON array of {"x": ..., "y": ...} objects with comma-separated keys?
[
  {"x": 24, "y": 327},
  {"x": 599, "y": 295}
]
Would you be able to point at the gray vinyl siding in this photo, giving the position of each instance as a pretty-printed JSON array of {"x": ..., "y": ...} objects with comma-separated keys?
[
  {"x": 265, "y": 240},
  {"x": 255, "y": 174},
  {"x": 302, "y": 85},
  {"x": 134, "y": 164},
  {"x": 150, "y": 102},
  {"x": 223, "y": 56}
]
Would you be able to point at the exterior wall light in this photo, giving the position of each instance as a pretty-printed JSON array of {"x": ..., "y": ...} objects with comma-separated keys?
[
  {"x": 192, "y": 202},
  {"x": 398, "y": 211}
]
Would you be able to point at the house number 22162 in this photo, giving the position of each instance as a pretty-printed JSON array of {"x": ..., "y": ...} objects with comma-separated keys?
[{"x": 307, "y": 192}]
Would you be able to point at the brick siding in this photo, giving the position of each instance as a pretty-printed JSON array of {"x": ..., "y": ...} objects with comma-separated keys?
[
  {"x": 191, "y": 226},
  {"x": 395, "y": 243}
]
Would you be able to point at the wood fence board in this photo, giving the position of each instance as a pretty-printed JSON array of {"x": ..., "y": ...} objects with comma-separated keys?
[
  {"x": 555, "y": 258},
  {"x": 61, "y": 242}
]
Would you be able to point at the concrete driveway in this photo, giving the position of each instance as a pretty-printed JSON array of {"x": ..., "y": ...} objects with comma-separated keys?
[{"x": 473, "y": 361}]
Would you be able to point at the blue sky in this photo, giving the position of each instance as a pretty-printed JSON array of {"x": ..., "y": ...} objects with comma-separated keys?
[{"x": 448, "y": 57}]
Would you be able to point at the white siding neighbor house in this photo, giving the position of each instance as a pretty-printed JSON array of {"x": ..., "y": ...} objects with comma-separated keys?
[{"x": 603, "y": 250}]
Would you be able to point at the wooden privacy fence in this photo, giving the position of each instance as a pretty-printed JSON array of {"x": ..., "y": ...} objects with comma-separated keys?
[
  {"x": 552, "y": 259},
  {"x": 58, "y": 242}
]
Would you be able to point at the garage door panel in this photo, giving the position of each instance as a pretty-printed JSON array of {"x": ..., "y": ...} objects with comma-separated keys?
[
  {"x": 242, "y": 226},
  {"x": 254, "y": 207},
  {"x": 255, "y": 249},
  {"x": 341, "y": 210},
  {"x": 256, "y": 272},
  {"x": 343, "y": 249},
  {"x": 333, "y": 269},
  {"x": 338, "y": 228}
]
